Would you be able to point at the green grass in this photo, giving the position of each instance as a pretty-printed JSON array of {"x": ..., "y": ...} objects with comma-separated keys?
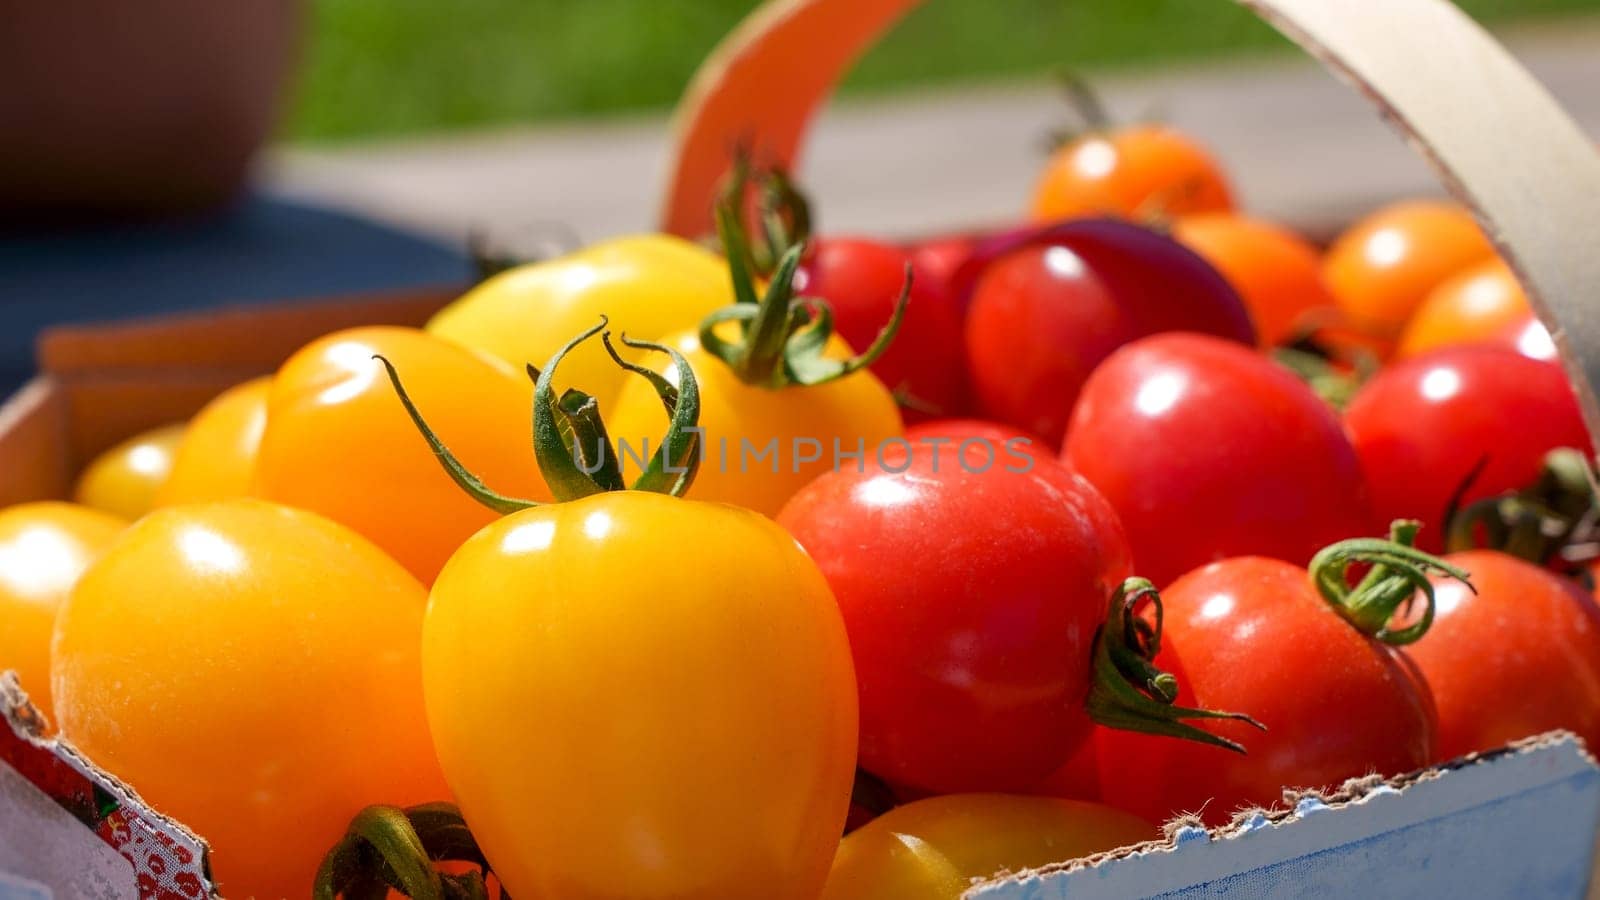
[{"x": 386, "y": 67}]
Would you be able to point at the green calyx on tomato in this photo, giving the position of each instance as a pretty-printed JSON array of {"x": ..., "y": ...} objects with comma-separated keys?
[
  {"x": 1399, "y": 572},
  {"x": 1128, "y": 692},
  {"x": 388, "y": 847},
  {"x": 781, "y": 211},
  {"x": 783, "y": 338},
  {"x": 569, "y": 438},
  {"x": 1550, "y": 522}
]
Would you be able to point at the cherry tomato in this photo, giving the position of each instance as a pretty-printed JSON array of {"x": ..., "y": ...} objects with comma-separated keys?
[
  {"x": 971, "y": 592},
  {"x": 1422, "y": 426},
  {"x": 934, "y": 848},
  {"x": 1130, "y": 172},
  {"x": 253, "y": 671},
  {"x": 44, "y": 548},
  {"x": 648, "y": 285},
  {"x": 1252, "y": 635},
  {"x": 861, "y": 280},
  {"x": 1384, "y": 266},
  {"x": 1518, "y": 657},
  {"x": 216, "y": 458},
  {"x": 1049, "y": 304},
  {"x": 940, "y": 258},
  {"x": 339, "y": 443},
  {"x": 1277, "y": 273},
  {"x": 1483, "y": 304},
  {"x": 1207, "y": 450},
  {"x": 124, "y": 480}
]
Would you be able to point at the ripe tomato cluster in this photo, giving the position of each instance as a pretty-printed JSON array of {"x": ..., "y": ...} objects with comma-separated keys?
[{"x": 991, "y": 550}]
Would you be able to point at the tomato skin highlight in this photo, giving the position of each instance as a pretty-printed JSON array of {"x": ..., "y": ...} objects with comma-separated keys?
[
  {"x": 1421, "y": 426},
  {"x": 1519, "y": 657},
  {"x": 1208, "y": 450},
  {"x": 1131, "y": 171},
  {"x": 253, "y": 671},
  {"x": 972, "y": 600},
  {"x": 216, "y": 458},
  {"x": 126, "y": 480},
  {"x": 695, "y": 731},
  {"x": 1252, "y": 635}
]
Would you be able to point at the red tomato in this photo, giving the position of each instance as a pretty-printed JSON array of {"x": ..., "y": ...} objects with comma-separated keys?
[
  {"x": 971, "y": 600},
  {"x": 1422, "y": 425},
  {"x": 1048, "y": 305},
  {"x": 1207, "y": 450},
  {"x": 940, "y": 258},
  {"x": 1253, "y": 635},
  {"x": 1519, "y": 657},
  {"x": 862, "y": 280}
]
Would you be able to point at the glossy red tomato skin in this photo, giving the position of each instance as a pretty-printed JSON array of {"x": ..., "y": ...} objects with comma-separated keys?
[
  {"x": 1049, "y": 305},
  {"x": 1421, "y": 425},
  {"x": 971, "y": 601},
  {"x": 1252, "y": 635},
  {"x": 941, "y": 257},
  {"x": 1208, "y": 450},
  {"x": 1519, "y": 657},
  {"x": 861, "y": 279}
]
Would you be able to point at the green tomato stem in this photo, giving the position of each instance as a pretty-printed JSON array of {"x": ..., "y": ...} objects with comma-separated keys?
[{"x": 1399, "y": 573}]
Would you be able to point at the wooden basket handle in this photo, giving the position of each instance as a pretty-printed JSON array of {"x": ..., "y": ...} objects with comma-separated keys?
[{"x": 1496, "y": 138}]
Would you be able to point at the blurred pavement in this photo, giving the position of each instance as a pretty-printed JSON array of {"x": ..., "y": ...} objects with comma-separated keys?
[{"x": 1301, "y": 146}]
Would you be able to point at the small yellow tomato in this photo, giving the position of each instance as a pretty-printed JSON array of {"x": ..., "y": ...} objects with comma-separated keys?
[
  {"x": 125, "y": 480},
  {"x": 252, "y": 670},
  {"x": 217, "y": 456},
  {"x": 933, "y": 848},
  {"x": 44, "y": 548},
  {"x": 648, "y": 285}
]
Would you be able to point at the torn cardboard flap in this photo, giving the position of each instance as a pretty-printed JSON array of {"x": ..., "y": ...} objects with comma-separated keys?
[{"x": 1514, "y": 823}]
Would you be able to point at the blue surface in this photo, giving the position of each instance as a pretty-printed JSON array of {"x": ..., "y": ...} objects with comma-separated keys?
[{"x": 264, "y": 249}]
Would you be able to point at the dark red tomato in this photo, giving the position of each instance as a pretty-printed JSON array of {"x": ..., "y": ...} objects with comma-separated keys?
[
  {"x": 1253, "y": 635},
  {"x": 1047, "y": 306},
  {"x": 940, "y": 258},
  {"x": 1422, "y": 425},
  {"x": 971, "y": 600},
  {"x": 861, "y": 280},
  {"x": 1079, "y": 777},
  {"x": 1519, "y": 657},
  {"x": 1208, "y": 450}
]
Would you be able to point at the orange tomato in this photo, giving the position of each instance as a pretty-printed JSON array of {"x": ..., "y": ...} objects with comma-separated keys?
[
  {"x": 1277, "y": 273},
  {"x": 1383, "y": 267},
  {"x": 252, "y": 670},
  {"x": 44, "y": 548},
  {"x": 217, "y": 455},
  {"x": 338, "y": 442},
  {"x": 1131, "y": 171},
  {"x": 1484, "y": 304},
  {"x": 124, "y": 480}
]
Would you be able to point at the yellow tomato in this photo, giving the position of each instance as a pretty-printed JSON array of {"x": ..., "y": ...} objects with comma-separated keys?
[
  {"x": 217, "y": 456},
  {"x": 638, "y": 696},
  {"x": 761, "y": 445},
  {"x": 253, "y": 671},
  {"x": 338, "y": 441},
  {"x": 124, "y": 480},
  {"x": 933, "y": 848},
  {"x": 648, "y": 285},
  {"x": 44, "y": 547}
]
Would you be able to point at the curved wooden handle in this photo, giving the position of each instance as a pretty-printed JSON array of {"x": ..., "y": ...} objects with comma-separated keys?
[{"x": 1497, "y": 139}]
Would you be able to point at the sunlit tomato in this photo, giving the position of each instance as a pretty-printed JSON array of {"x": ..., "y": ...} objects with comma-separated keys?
[
  {"x": 1384, "y": 266},
  {"x": 861, "y": 279},
  {"x": 695, "y": 731},
  {"x": 124, "y": 480},
  {"x": 1207, "y": 449},
  {"x": 1131, "y": 171},
  {"x": 934, "y": 848},
  {"x": 1483, "y": 304},
  {"x": 952, "y": 432},
  {"x": 253, "y": 671},
  {"x": 1252, "y": 635},
  {"x": 1422, "y": 426},
  {"x": 972, "y": 588},
  {"x": 1048, "y": 305},
  {"x": 44, "y": 547},
  {"x": 1276, "y": 272},
  {"x": 761, "y": 445},
  {"x": 1519, "y": 657},
  {"x": 338, "y": 442},
  {"x": 216, "y": 458},
  {"x": 648, "y": 285}
]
